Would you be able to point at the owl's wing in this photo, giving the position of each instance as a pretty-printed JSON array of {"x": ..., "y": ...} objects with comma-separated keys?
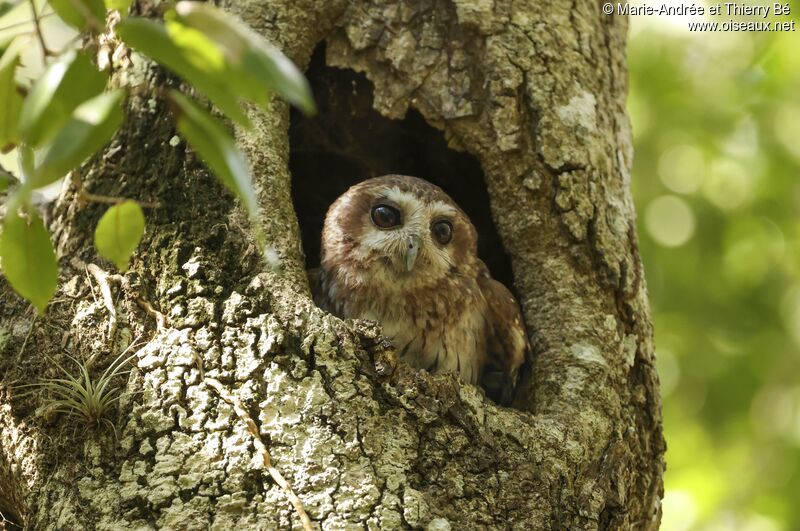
[{"x": 507, "y": 341}]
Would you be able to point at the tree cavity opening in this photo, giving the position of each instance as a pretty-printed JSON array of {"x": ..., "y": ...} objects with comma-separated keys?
[{"x": 348, "y": 141}]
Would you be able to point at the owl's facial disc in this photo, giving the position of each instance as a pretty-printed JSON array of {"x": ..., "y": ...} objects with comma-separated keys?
[
  {"x": 408, "y": 235},
  {"x": 403, "y": 240}
]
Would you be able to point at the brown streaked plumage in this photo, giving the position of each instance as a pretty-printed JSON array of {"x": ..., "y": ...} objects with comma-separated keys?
[{"x": 397, "y": 250}]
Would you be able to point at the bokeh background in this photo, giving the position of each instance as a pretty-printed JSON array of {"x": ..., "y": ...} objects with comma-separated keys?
[{"x": 716, "y": 123}]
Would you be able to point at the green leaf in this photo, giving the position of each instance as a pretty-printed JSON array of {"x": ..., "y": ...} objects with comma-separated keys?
[
  {"x": 188, "y": 53},
  {"x": 91, "y": 126},
  {"x": 12, "y": 52},
  {"x": 26, "y": 159},
  {"x": 249, "y": 54},
  {"x": 29, "y": 261},
  {"x": 10, "y": 99},
  {"x": 65, "y": 85},
  {"x": 119, "y": 232},
  {"x": 81, "y": 14},
  {"x": 6, "y": 180},
  {"x": 217, "y": 149},
  {"x": 120, "y": 5},
  {"x": 6, "y": 6}
]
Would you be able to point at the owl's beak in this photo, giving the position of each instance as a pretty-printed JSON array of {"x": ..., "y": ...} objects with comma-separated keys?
[{"x": 412, "y": 250}]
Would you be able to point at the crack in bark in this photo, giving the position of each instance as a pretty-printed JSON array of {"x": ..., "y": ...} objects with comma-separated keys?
[{"x": 276, "y": 475}]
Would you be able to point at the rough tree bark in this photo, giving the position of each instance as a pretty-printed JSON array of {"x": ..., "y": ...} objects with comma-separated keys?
[{"x": 536, "y": 91}]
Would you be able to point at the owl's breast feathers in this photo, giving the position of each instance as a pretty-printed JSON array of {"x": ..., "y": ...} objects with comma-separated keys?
[{"x": 470, "y": 324}]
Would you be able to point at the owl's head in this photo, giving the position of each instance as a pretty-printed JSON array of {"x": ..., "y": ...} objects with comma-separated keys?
[{"x": 397, "y": 228}]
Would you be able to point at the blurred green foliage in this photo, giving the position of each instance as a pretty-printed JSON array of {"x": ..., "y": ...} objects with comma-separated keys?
[
  {"x": 716, "y": 122},
  {"x": 67, "y": 115}
]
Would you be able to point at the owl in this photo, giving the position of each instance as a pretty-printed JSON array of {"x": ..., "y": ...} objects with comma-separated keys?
[{"x": 399, "y": 251}]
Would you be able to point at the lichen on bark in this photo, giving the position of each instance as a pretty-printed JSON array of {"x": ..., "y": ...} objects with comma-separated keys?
[{"x": 536, "y": 92}]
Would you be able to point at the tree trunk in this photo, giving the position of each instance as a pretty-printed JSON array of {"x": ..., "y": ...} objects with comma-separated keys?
[{"x": 536, "y": 92}]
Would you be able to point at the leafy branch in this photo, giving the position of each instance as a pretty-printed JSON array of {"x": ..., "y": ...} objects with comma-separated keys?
[{"x": 69, "y": 114}]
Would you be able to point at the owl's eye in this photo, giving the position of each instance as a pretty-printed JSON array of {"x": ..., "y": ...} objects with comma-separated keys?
[
  {"x": 442, "y": 231},
  {"x": 385, "y": 216}
]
